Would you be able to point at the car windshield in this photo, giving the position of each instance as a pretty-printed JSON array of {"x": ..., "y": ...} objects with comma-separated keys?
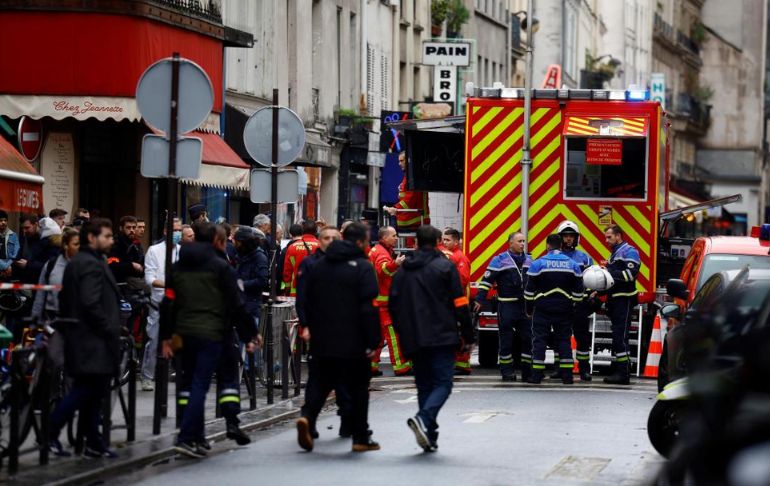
[
  {"x": 737, "y": 315},
  {"x": 719, "y": 262}
]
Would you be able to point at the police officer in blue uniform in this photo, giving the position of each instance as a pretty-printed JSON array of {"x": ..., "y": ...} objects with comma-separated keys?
[
  {"x": 570, "y": 237},
  {"x": 554, "y": 285},
  {"x": 508, "y": 271},
  {"x": 623, "y": 266}
]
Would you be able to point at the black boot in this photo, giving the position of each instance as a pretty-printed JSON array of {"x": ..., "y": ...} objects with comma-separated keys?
[
  {"x": 620, "y": 377},
  {"x": 585, "y": 370},
  {"x": 536, "y": 377},
  {"x": 566, "y": 376},
  {"x": 525, "y": 374},
  {"x": 617, "y": 379},
  {"x": 235, "y": 433}
]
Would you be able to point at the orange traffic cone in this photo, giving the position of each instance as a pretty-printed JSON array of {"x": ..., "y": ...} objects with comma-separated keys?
[
  {"x": 575, "y": 368},
  {"x": 654, "y": 352}
]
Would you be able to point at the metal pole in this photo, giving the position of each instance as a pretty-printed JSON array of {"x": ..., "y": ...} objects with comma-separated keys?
[
  {"x": 526, "y": 159},
  {"x": 161, "y": 368},
  {"x": 45, "y": 410},
  {"x": 273, "y": 260},
  {"x": 131, "y": 418},
  {"x": 13, "y": 435},
  {"x": 285, "y": 350}
]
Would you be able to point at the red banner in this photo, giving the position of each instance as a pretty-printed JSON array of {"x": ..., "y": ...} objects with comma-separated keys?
[
  {"x": 24, "y": 197},
  {"x": 604, "y": 151}
]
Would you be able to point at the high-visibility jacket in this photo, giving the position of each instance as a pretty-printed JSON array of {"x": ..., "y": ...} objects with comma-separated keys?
[
  {"x": 295, "y": 253},
  {"x": 411, "y": 200},
  {"x": 461, "y": 262},
  {"x": 385, "y": 267}
]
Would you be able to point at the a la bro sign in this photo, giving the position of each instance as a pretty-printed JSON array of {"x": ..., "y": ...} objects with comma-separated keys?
[{"x": 446, "y": 53}]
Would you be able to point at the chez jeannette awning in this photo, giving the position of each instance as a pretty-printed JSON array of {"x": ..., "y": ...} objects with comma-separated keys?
[
  {"x": 222, "y": 167},
  {"x": 587, "y": 126},
  {"x": 21, "y": 187}
]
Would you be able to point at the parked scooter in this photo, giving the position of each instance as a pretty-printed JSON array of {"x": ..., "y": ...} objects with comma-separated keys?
[{"x": 719, "y": 416}]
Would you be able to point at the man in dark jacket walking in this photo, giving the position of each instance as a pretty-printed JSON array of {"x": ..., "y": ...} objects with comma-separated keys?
[
  {"x": 90, "y": 297},
  {"x": 202, "y": 301},
  {"x": 344, "y": 331},
  {"x": 426, "y": 303}
]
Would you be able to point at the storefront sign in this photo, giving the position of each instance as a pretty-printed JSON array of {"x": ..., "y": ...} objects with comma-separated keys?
[
  {"x": 658, "y": 88},
  {"x": 78, "y": 107},
  {"x": 57, "y": 166},
  {"x": 604, "y": 151},
  {"x": 24, "y": 197},
  {"x": 446, "y": 53},
  {"x": 445, "y": 84}
]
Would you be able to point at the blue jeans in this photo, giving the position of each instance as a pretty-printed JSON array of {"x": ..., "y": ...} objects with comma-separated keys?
[
  {"x": 200, "y": 358},
  {"x": 433, "y": 375}
]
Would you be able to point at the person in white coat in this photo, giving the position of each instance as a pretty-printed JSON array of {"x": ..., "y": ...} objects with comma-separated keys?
[{"x": 155, "y": 277}]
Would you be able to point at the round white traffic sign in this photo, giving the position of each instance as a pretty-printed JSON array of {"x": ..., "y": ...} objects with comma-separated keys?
[
  {"x": 153, "y": 95},
  {"x": 258, "y": 136}
]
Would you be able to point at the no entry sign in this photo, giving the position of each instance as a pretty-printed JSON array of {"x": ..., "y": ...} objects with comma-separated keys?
[
  {"x": 604, "y": 151},
  {"x": 30, "y": 138}
]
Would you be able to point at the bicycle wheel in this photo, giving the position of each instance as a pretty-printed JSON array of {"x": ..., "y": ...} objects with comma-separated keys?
[{"x": 127, "y": 353}]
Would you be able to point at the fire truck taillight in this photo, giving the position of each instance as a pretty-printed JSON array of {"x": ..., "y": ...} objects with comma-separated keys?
[{"x": 488, "y": 320}]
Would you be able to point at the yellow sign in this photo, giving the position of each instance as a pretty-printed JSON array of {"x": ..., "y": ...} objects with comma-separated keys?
[{"x": 605, "y": 215}]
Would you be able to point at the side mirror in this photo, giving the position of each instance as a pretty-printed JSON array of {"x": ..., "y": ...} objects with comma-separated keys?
[
  {"x": 670, "y": 311},
  {"x": 677, "y": 288}
]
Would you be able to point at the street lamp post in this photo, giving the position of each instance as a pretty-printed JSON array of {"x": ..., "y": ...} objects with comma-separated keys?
[{"x": 526, "y": 159}]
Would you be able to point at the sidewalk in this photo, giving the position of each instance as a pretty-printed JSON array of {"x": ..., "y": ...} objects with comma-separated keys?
[{"x": 147, "y": 448}]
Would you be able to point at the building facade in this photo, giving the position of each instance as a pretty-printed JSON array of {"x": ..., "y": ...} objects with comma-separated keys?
[
  {"x": 76, "y": 69},
  {"x": 731, "y": 155}
]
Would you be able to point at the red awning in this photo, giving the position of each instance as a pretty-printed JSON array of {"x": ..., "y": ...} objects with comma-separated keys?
[
  {"x": 83, "y": 64},
  {"x": 217, "y": 152},
  {"x": 221, "y": 167},
  {"x": 21, "y": 188}
]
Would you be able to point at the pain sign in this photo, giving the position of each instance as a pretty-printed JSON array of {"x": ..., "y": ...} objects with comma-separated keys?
[{"x": 446, "y": 53}]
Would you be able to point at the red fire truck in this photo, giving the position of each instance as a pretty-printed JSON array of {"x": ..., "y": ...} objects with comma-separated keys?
[{"x": 600, "y": 157}]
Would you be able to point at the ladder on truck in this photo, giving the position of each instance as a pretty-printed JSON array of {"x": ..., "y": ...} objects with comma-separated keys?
[
  {"x": 388, "y": 220},
  {"x": 601, "y": 340}
]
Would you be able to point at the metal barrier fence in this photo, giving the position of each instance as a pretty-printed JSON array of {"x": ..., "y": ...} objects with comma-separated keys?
[{"x": 29, "y": 400}]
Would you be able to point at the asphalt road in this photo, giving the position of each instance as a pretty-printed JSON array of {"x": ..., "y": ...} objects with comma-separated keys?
[{"x": 490, "y": 434}]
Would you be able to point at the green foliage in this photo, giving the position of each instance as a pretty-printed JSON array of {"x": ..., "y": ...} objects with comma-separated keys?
[
  {"x": 439, "y": 9},
  {"x": 698, "y": 33},
  {"x": 457, "y": 16},
  {"x": 704, "y": 94}
]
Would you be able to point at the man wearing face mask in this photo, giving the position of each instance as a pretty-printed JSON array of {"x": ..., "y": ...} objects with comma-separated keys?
[{"x": 155, "y": 276}]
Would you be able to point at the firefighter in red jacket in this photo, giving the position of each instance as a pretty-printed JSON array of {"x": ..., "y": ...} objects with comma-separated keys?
[
  {"x": 450, "y": 246},
  {"x": 409, "y": 200},
  {"x": 386, "y": 266},
  {"x": 295, "y": 253}
]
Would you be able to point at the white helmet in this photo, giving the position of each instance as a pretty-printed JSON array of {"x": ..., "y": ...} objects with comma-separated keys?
[
  {"x": 568, "y": 227},
  {"x": 597, "y": 278}
]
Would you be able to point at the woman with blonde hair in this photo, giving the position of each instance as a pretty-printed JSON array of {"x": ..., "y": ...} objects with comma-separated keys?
[{"x": 46, "y": 304}]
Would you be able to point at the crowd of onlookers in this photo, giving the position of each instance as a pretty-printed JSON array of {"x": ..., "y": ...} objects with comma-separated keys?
[{"x": 39, "y": 252}]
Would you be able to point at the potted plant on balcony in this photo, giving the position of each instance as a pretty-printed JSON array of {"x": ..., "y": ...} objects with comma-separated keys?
[
  {"x": 457, "y": 16},
  {"x": 438, "y": 14}
]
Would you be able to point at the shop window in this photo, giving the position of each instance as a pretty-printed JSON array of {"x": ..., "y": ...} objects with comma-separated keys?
[
  {"x": 215, "y": 200},
  {"x": 622, "y": 175}
]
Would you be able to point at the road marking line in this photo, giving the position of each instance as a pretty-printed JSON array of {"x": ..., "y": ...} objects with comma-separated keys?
[
  {"x": 411, "y": 399},
  {"x": 580, "y": 468}
]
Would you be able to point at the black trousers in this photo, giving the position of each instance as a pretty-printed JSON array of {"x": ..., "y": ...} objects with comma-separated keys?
[{"x": 350, "y": 375}]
